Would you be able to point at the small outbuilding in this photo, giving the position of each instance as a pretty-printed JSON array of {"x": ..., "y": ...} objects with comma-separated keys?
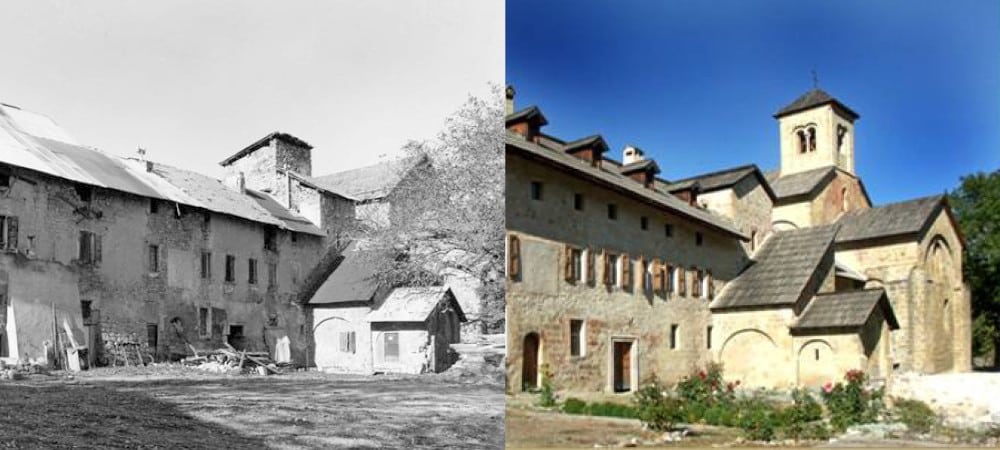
[{"x": 412, "y": 331}]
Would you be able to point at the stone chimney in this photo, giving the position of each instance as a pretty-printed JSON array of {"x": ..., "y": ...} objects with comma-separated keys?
[
  {"x": 510, "y": 99},
  {"x": 638, "y": 168}
]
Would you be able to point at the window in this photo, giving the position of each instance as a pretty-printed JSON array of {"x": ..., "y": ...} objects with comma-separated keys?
[
  {"x": 817, "y": 354},
  {"x": 154, "y": 206},
  {"x": 612, "y": 211},
  {"x": 85, "y": 193},
  {"x": 294, "y": 236},
  {"x": 590, "y": 273},
  {"x": 658, "y": 281},
  {"x": 154, "y": 258},
  {"x": 841, "y": 134},
  {"x": 206, "y": 219},
  {"x": 8, "y": 233},
  {"x": 699, "y": 239},
  {"x": 270, "y": 239},
  {"x": 708, "y": 337},
  {"x": 514, "y": 258},
  {"x": 644, "y": 223},
  {"x": 206, "y": 265},
  {"x": 812, "y": 139},
  {"x": 573, "y": 268},
  {"x": 392, "y": 346},
  {"x": 696, "y": 282},
  {"x": 576, "y": 337},
  {"x": 86, "y": 311},
  {"x": 802, "y": 141},
  {"x": 578, "y": 202},
  {"x": 673, "y": 336},
  {"x": 536, "y": 190},
  {"x": 230, "y": 268},
  {"x": 272, "y": 274},
  {"x": 89, "y": 248},
  {"x": 843, "y": 199},
  {"x": 626, "y": 280},
  {"x": 610, "y": 269},
  {"x": 152, "y": 336},
  {"x": 668, "y": 230},
  {"x": 252, "y": 271},
  {"x": 670, "y": 282},
  {"x": 348, "y": 343},
  {"x": 203, "y": 322},
  {"x": 681, "y": 280},
  {"x": 4, "y": 180},
  {"x": 647, "y": 275},
  {"x": 709, "y": 288},
  {"x": 753, "y": 240}
]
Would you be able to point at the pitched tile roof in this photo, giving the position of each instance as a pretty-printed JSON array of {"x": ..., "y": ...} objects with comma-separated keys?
[
  {"x": 801, "y": 183},
  {"x": 895, "y": 219},
  {"x": 414, "y": 304},
  {"x": 845, "y": 310},
  {"x": 51, "y": 151},
  {"x": 529, "y": 113},
  {"x": 370, "y": 182},
  {"x": 780, "y": 271},
  {"x": 353, "y": 280},
  {"x": 812, "y": 99},
  {"x": 721, "y": 179},
  {"x": 620, "y": 182}
]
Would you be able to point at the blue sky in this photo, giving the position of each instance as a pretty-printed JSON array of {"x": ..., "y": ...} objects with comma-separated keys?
[{"x": 695, "y": 83}]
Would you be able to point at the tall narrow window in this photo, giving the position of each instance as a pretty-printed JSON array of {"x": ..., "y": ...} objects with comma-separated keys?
[
  {"x": 644, "y": 223},
  {"x": 753, "y": 239},
  {"x": 610, "y": 269},
  {"x": 576, "y": 337},
  {"x": 252, "y": 271},
  {"x": 668, "y": 230},
  {"x": 578, "y": 202},
  {"x": 670, "y": 283},
  {"x": 154, "y": 258},
  {"x": 844, "y": 200},
  {"x": 230, "y": 268},
  {"x": 206, "y": 265},
  {"x": 347, "y": 342},
  {"x": 802, "y": 141},
  {"x": 681, "y": 281},
  {"x": 89, "y": 248},
  {"x": 272, "y": 274},
  {"x": 154, "y": 206},
  {"x": 673, "y": 336},
  {"x": 696, "y": 282},
  {"x": 612, "y": 211},
  {"x": 536, "y": 190},
  {"x": 8, "y": 233},
  {"x": 392, "y": 346},
  {"x": 591, "y": 273},
  {"x": 699, "y": 239},
  {"x": 270, "y": 239},
  {"x": 647, "y": 275},
  {"x": 513, "y": 258},
  {"x": 574, "y": 264},
  {"x": 626, "y": 281},
  {"x": 708, "y": 337},
  {"x": 812, "y": 139},
  {"x": 204, "y": 330}
]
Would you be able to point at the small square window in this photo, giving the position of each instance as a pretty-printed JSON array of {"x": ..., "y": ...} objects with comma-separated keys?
[
  {"x": 85, "y": 193},
  {"x": 578, "y": 202},
  {"x": 699, "y": 239},
  {"x": 612, "y": 211},
  {"x": 644, "y": 223},
  {"x": 271, "y": 239},
  {"x": 536, "y": 190},
  {"x": 668, "y": 230}
]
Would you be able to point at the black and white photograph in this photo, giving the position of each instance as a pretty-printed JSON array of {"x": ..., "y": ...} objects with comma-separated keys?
[{"x": 252, "y": 224}]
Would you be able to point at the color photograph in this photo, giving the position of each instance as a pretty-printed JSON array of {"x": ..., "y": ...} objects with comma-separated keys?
[{"x": 752, "y": 223}]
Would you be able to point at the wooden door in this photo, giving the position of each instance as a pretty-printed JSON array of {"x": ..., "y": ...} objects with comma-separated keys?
[
  {"x": 623, "y": 366},
  {"x": 529, "y": 364}
]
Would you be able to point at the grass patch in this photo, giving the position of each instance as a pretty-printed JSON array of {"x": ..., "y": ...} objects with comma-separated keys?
[{"x": 602, "y": 409}]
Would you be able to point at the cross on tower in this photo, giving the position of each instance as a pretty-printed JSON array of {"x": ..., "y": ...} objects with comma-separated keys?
[{"x": 815, "y": 79}]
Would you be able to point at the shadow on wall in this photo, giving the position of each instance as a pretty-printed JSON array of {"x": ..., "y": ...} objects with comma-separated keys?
[{"x": 61, "y": 416}]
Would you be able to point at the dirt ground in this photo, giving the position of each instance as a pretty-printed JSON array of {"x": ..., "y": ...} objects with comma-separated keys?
[{"x": 179, "y": 407}]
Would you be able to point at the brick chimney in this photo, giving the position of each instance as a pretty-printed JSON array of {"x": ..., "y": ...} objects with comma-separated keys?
[
  {"x": 590, "y": 149},
  {"x": 638, "y": 168}
]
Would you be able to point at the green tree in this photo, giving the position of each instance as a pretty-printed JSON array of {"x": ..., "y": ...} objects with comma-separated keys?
[{"x": 976, "y": 204}]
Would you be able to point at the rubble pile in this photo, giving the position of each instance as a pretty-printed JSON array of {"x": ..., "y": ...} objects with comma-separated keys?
[
  {"x": 231, "y": 361},
  {"x": 19, "y": 371}
]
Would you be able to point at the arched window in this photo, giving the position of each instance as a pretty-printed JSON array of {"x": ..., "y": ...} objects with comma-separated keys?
[
  {"x": 843, "y": 199},
  {"x": 812, "y": 139},
  {"x": 841, "y": 135},
  {"x": 802, "y": 141}
]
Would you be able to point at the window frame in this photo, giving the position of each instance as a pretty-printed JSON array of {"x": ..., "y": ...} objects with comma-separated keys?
[
  {"x": 230, "y": 269},
  {"x": 579, "y": 348},
  {"x": 206, "y": 265},
  {"x": 536, "y": 190},
  {"x": 385, "y": 346},
  {"x": 153, "y": 258},
  {"x": 252, "y": 272}
]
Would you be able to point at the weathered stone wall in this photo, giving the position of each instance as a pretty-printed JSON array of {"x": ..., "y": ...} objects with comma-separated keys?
[
  {"x": 542, "y": 301},
  {"x": 126, "y": 290},
  {"x": 329, "y": 323},
  {"x": 747, "y": 205},
  {"x": 841, "y": 195}
]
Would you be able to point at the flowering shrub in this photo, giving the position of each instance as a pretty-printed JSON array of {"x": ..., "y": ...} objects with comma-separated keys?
[
  {"x": 851, "y": 402},
  {"x": 656, "y": 408},
  {"x": 547, "y": 396}
]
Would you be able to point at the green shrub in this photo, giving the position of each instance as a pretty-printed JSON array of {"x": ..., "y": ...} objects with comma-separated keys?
[
  {"x": 915, "y": 414},
  {"x": 656, "y": 408},
  {"x": 796, "y": 421},
  {"x": 547, "y": 396},
  {"x": 574, "y": 406},
  {"x": 851, "y": 402},
  {"x": 756, "y": 418},
  {"x": 608, "y": 409},
  {"x": 707, "y": 397}
]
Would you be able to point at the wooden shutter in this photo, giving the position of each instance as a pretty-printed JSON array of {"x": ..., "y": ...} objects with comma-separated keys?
[
  {"x": 12, "y": 232},
  {"x": 711, "y": 284},
  {"x": 84, "y": 255},
  {"x": 626, "y": 263},
  {"x": 681, "y": 281},
  {"x": 591, "y": 274},
  {"x": 514, "y": 258},
  {"x": 668, "y": 278},
  {"x": 657, "y": 276},
  {"x": 97, "y": 247},
  {"x": 344, "y": 342},
  {"x": 568, "y": 264},
  {"x": 607, "y": 268},
  {"x": 696, "y": 282},
  {"x": 644, "y": 267}
]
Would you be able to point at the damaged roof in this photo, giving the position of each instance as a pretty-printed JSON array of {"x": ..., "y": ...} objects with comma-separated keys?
[
  {"x": 352, "y": 281},
  {"x": 35, "y": 142},
  {"x": 895, "y": 219},
  {"x": 371, "y": 182},
  {"x": 781, "y": 269},
  {"x": 845, "y": 310},
  {"x": 622, "y": 183},
  {"x": 414, "y": 304}
]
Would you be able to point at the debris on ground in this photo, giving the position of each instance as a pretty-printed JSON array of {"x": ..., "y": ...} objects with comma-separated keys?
[
  {"x": 480, "y": 360},
  {"x": 231, "y": 361},
  {"x": 20, "y": 371}
]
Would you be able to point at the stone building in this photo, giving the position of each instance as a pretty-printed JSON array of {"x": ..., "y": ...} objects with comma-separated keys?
[
  {"x": 787, "y": 278},
  {"x": 110, "y": 250}
]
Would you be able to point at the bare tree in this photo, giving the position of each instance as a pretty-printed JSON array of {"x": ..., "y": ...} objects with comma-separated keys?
[{"x": 447, "y": 215}]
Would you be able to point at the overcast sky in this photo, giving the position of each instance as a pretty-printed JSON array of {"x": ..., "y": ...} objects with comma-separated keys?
[{"x": 195, "y": 81}]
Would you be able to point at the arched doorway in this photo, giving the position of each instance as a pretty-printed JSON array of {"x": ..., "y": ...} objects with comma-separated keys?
[{"x": 531, "y": 355}]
